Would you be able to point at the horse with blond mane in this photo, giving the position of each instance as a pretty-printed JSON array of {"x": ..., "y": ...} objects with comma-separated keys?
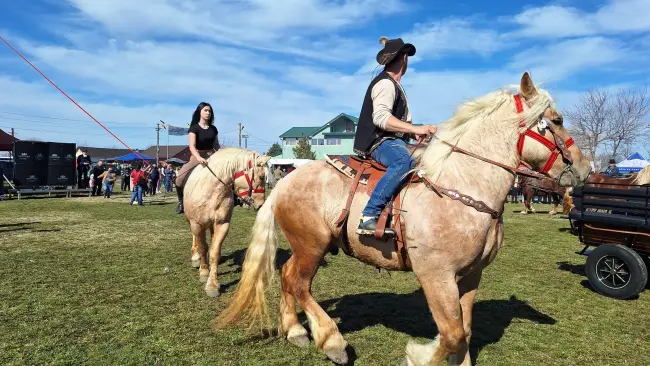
[
  {"x": 449, "y": 241},
  {"x": 209, "y": 203}
]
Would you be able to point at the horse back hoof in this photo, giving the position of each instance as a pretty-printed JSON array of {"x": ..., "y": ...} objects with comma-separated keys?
[
  {"x": 196, "y": 263},
  {"x": 299, "y": 340},
  {"x": 212, "y": 293},
  {"x": 203, "y": 279},
  {"x": 338, "y": 356}
]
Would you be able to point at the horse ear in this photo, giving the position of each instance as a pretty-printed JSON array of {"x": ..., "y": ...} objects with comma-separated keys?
[
  {"x": 527, "y": 87},
  {"x": 262, "y": 160}
]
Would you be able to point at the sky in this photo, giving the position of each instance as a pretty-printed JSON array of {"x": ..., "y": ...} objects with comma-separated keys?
[{"x": 272, "y": 65}]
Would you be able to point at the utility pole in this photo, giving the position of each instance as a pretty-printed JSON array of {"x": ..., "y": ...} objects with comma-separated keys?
[
  {"x": 240, "y": 129},
  {"x": 13, "y": 139},
  {"x": 157, "y": 142},
  {"x": 245, "y": 141}
]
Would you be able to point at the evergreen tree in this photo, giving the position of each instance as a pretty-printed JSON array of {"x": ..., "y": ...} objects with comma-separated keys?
[
  {"x": 275, "y": 150},
  {"x": 302, "y": 150}
]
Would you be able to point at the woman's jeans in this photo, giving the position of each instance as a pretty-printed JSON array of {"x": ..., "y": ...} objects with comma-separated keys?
[
  {"x": 394, "y": 155},
  {"x": 137, "y": 193}
]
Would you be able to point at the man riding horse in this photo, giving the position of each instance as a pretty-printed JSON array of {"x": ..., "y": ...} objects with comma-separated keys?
[{"x": 385, "y": 126}]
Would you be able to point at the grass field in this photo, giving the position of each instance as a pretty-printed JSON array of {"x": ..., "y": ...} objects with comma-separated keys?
[{"x": 83, "y": 282}]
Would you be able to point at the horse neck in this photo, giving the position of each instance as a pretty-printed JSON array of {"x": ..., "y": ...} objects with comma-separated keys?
[{"x": 479, "y": 179}]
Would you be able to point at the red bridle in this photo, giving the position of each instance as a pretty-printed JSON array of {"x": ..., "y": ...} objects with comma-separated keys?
[
  {"x": 557, "y": 147},
  {"x": 249, "y": 181}
]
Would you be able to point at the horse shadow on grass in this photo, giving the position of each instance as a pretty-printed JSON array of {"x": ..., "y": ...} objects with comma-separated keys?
[
  {"x": 409, "y": 314},
  {"x": 25, "y": 226}
]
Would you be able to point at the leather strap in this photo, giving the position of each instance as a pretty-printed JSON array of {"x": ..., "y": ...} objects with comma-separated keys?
[
  {"x": 465, "y": 199},
  {"x": 400, "y": 230},
  {"x": 353, "y": 189}
]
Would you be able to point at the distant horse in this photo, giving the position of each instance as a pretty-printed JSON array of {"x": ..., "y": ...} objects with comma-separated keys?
[
  {"x": 209, "y": 202},
  {"x": 450, "y": 241},
  {"x": 531, "y": 187}
]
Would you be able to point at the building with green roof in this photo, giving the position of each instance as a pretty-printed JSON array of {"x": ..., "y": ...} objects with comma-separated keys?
[{"x": 336, "y": 137}]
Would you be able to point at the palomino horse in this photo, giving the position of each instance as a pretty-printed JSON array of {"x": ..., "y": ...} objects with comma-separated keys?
[
  {"x": 641, "y": 178},
  {"x": 449, "y": 243},
  {"x": 530, "y": 187},
  {"x": 209, "y": 202}
]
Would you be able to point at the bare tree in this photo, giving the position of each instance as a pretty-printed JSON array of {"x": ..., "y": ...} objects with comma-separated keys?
[
  {"x": 614, "y": 122},
  {"x": 628, "y": 120},
  {"x": 589, "y": 120}
]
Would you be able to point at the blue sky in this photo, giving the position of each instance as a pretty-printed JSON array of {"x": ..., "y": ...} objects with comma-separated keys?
[{"x": 272, "y": 65}]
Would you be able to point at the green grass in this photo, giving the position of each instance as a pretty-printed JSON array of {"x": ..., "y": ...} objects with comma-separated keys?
[{"x": 83, "y": 282}]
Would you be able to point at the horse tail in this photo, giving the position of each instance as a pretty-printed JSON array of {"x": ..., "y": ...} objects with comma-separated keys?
[{"x": 248, "y": 303}]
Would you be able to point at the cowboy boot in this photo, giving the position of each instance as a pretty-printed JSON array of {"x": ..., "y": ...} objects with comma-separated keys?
[
  {"x": 180, "y": 208},
  {"x": 369, "y": 225}
]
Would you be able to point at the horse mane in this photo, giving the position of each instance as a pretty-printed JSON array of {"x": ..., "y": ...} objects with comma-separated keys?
[
  {"x": 474, "y": 113},
  {"x": 224, "y": 163},
  {"x": 643, "y": 177}
]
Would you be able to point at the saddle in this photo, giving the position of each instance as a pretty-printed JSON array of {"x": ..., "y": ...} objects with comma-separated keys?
[{"x": 368, "y": 172}]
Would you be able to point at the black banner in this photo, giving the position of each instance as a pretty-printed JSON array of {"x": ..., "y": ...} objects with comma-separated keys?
[
  {"x": 29, "y": 175},
  {"x": 61, "y": 175},
  {"x": 62, "y": 154}
]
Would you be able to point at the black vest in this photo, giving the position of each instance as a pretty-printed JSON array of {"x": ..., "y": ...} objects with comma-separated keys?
[{"x": 368, "y": 134}]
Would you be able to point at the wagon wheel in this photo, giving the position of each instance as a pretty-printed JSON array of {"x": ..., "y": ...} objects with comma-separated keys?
[{"x": 616, "y": 271}]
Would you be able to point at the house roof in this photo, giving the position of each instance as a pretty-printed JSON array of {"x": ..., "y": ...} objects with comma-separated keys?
[
  {"x": 100, "y": 153},
  {"x": 311, "y": 131},
  {"x": 300, "y": 132},
  {"x": 173, "y": 151}
]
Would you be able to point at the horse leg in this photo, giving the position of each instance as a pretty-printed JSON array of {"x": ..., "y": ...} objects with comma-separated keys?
[
  {"x": 468, "y": 287},
  {"x": 202, "y": 249},
  {"x": 219, "y": 232},
  {"x": 442, "y": 294},
  {"x": 299, "y": 277},
  {"x": 196, "y": 257},
  {"x": 289, "y": 324},
  {"x": 556, "y": 202}
]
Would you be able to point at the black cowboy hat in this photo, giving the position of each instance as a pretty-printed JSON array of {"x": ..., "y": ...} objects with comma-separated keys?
[
  {"x": 612, "y": 161},
  {"x": 393, "y": 48}
]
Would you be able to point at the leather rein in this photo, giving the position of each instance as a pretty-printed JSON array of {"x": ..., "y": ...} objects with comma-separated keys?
[
  {"x": 245, "y": 195},
  {"x": 557, "y": 148}
]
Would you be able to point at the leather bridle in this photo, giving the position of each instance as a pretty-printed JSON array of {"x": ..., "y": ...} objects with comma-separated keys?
[
  {"x": 246, "y": 194},
  {"x": 558, "y": 146}
]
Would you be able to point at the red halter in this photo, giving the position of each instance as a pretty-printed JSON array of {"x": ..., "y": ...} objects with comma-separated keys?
[
  {"x": 554, "y": 146},
  {"x": 250, "y": 190}
]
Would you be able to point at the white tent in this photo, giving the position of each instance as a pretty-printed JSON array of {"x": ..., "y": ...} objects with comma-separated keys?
[
  {"x": 633, "y": 163},
  {"x": 295, "y": 162}
]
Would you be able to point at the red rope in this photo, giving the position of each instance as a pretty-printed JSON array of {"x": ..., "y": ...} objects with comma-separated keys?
[{"x": 72, "y": 100}]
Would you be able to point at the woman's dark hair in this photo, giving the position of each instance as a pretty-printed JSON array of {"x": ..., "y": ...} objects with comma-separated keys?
[{"x": 196, "y": 117}]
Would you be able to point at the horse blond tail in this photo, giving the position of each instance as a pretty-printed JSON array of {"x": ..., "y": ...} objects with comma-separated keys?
[
  {"x": 248, "y": 303},
  {"x": 567, "y": 203}
]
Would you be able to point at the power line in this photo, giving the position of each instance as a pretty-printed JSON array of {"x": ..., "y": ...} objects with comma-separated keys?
[
  {"x": 62, "y": 119},
  {"x": 67, "y": 133}
]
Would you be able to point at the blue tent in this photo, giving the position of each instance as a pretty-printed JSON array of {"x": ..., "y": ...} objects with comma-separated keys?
[
  {"x": 132, "y": 156},
  {"x": 633, "y": 163}
]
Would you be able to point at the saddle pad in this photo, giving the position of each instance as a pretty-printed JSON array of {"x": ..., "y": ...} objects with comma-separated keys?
[{"x": 342, "y": 164}]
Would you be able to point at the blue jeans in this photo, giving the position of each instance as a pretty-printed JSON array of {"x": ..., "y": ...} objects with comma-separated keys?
[
  {"x": 137, "y": 193},
  {"x": 394, "y": 155},
  {"x": 108, "y": 188}
]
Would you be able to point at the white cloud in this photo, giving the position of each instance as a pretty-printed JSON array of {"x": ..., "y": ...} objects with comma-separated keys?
[
  {"x": 557, "y": 21},
  {"x": 559, "y": 60}
]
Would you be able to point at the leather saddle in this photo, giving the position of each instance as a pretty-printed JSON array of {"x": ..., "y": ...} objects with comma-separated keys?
[{"x": 368, "y": 171}]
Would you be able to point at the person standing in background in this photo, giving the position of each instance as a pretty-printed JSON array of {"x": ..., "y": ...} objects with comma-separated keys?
[
  {"x": 83, "y": 166},
  {"x": 126, "y": 177},
  {"x": 97, "y": 174},
  {"x": 109, "y": 178}
]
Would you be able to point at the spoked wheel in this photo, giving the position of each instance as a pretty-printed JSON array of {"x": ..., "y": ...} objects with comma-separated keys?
[{"x": 616, "y": 271}]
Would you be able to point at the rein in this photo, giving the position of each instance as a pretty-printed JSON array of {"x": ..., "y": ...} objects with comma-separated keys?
[
  {"x": 557, "y": 148},
  {"x": 244, "y": 195}
]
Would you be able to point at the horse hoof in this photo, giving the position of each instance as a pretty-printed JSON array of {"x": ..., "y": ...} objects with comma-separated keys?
[
  {"x": 203, "y": 279},
  {"x": 338, "y": 356},
  {"x": 299, "y": 340},
  {"x": 196, "y": 263},
  {"x": 212, "y": 293}
]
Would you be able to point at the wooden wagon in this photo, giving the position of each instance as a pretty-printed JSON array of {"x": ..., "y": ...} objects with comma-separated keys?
[{"x": 615, "y": 221}]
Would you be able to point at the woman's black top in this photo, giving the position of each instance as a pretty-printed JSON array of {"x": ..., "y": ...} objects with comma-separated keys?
[{"x": 206, "y": 139}]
